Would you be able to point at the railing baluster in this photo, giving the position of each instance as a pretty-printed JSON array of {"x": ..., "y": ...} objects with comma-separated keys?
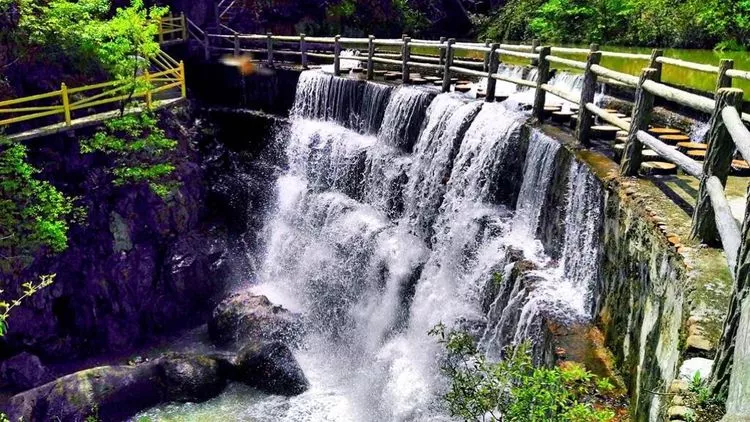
[
  {"x": 149, "y": 97},
  {"x": 370, "y": 54},
  {"x": 269, "y": 49},
  {"x": 236, "y": 45},
  {"x": 654, "y": 64},
  {"x": 303, "y": 50},
  {"x": 337, "y": 55},
  {"x": 206, "y": 47},
  {"x": 486, "y": 65},
  {"x": 183, "y": 22},
  {"x": 718, "y": 161},
  {"x": 441, "y": 51},
  {"x": 448, "y": 63},
  {"x": 183, "y": 85},
  {"x": 66, "y": 103},
  {"x": 644, "y": 102},
  {"x": 585, "y": 118},
  {"x": 724, "y": 81},
  {"x": 534, "y": 46},
  {"x": 405, "y": 55},
  {"x": 491, "y": 70},
  {"x": 543, "y": 78}
]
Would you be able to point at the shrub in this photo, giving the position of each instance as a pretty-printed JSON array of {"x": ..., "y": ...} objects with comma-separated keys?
[{"x": 514, "y": 389}]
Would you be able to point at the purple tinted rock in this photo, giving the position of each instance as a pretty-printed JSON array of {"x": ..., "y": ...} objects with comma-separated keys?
[{"x": 24, "y": 371}]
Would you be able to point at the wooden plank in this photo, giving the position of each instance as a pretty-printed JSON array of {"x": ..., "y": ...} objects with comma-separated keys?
[
  {"x": 522, "y": 82},
  {"x": 503, "y": 52},
  {"x": 468, "y": 71},
  {"x": 688, "y": 65},
  {"x": 565, "y": 95},
  {"x": 687, "y": 99},
  {"x": 740, "y": 74},
  {"x": 608, "y": 117},
  {"x": 687, "y": 164},
  {"x": 567, "y": 62},
  {"x": 740, "y": 134},
  {"x": 374, "y": 59},
  {"x": 727, "y": 226},
  {"x": 629, "y": 80}
]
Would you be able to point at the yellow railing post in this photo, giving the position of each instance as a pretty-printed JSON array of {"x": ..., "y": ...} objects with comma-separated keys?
[
  {"x": 66, "y": 103},
  {"x": 149, "y": 98},
  {"x": 182, "y": 79}
]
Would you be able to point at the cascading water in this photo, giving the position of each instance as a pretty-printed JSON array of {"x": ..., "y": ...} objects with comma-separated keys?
[{"x": 375, "y": 244}]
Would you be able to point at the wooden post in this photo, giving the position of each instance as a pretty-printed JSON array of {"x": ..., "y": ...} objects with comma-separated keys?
[
  {"x": 303, "y": 50},
  {"x": 405, "y": 56},
  {"x": 540, "y": 95},
  {"x": 491, "y": 70},
  {"x": 236, "y": 45},
  {"x": 217, "y": 17},
  {"x": 448, "y": 63},
  {"x": 206, "y": 47},
  {"x": 585, "y": 118},
  {"x": 719, "y": 154},
  {"x": 337, "y": 55},
  {"x": 441, "y": 51},
  {"x": 534, "y": 45},
  {"x": 161, "y": 30},
  {"x": 486, "y": 65},
  {"x": 724, "y": 81},
  {"x": 183, "y": 22},
  {"x": 370, "y": 54},
  {"x": 644, "y": 102},
  {"x": 149, "y": 97},
  {"x": 183, "y": 85},
  {"x": 269, "y": 49},
  {"x": 653, "y": 64},
  {"x": 65, "y": 102}
]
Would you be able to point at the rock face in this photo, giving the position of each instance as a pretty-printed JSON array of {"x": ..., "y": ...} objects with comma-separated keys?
[
  {"x": 271, "y": 367},
  {"x": 24, "y": 371},
  {"x": 244, "y": 318},
  {"x": 137, "y": 266},
  {"x": 118, "y": 392}
]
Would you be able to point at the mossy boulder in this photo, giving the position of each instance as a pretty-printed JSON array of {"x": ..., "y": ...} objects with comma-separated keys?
[
  {"x": 271, "y": 367},
  {"x": 245, "y": 318}
]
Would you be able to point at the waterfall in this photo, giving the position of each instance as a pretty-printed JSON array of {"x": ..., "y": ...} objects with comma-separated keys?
[{"x": 415, "y": 213}]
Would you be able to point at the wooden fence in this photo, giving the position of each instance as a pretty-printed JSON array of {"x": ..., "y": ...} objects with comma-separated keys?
[
  {"x": 712, "y": 219},
  {"x": 71, "y": 107}
]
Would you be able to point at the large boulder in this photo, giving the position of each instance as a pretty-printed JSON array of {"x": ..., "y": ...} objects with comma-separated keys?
[
  {"x": 245, "y": 318},
  {"x": 24, "y": 371},
  {"x": 272, "y": 368},
  {"x": 118, "y": 392}
]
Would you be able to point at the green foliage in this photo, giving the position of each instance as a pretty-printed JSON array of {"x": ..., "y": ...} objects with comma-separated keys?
[
  {"x": 666, "y": 23},
  {"x": 28, "y": 289},
  {"x": 33, "y": 213},
  {"x": 140, "y": 149},
  {"x": 85, "y": 33},
  {"x": 514, "y": 389},
  {"x": 412, "y": 20}
]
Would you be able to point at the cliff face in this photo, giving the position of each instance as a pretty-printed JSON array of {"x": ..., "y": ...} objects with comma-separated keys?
[{"x": 136, "y": 265}]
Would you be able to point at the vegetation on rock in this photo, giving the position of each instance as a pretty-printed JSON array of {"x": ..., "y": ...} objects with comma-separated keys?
[
  {"x": 665, "y": 23},
  {"x": 140, "y": 150},
  {"x": 514, "y": 389}
]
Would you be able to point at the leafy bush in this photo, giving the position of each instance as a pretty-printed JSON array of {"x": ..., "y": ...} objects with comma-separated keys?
[
  {"x": 140, "y": 149},
  {"x": 33, "y": 213},
  {"x": 514, "y": 389},
  {"x": 28, "y": 289}
]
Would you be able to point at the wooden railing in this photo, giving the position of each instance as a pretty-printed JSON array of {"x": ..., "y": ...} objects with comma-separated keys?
[
  {"x": 712, "y": 221},
  {"x": 91, "y": 101},
  {"x": 173, "y": 29}
]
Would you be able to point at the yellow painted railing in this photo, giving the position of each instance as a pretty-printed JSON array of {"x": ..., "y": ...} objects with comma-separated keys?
[
  {"x": 88, "y": 100},
  {"x": 172, "y": 29}
]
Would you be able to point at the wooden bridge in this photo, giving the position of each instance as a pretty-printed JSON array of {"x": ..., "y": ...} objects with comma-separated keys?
[{"x": 77, "y": 107}]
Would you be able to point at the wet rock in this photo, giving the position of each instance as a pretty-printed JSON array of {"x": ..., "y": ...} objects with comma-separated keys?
[
  {"x": 118, "y": 392},
  {"x": 246, "y": 318},
  {"x": 698, "y": 343},
  {"x": 191, "y": 378},
  {"x": 24, "y": 371},
  {"x": 680, "y": 412},
  {"x": 272, "y": 368}
]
